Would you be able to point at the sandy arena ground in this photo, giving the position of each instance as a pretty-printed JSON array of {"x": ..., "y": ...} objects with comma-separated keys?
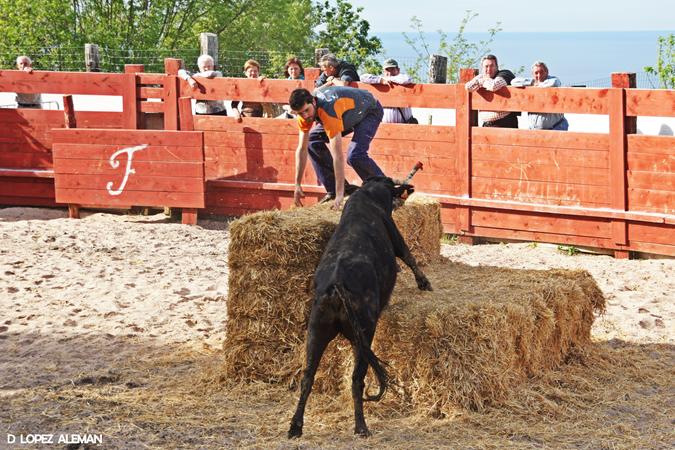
[{"x": 112, "y": 325}]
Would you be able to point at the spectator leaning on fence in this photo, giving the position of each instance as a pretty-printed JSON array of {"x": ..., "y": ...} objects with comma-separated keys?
[
  {"x": 251, "y": 109},
  {"x": 492, "y": 79},
  {"x": 391, "y": 75},
  {"x": 24, "y": 63},
  {"x": 335, "y": 72},
  {"x": 206, "y": 67},
  {"x": 293, "y": 69},
  {"x": 541, "y": 78}
]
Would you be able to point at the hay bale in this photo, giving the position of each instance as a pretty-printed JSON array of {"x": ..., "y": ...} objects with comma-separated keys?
[
  {"x": 419, "y": 222},
  {"x": 272, "y": 259},
  {"x": 482, "y": 331}
]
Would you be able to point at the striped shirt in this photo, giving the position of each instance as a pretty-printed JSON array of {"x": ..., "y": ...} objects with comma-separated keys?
[{"x": 492, "y": 85}]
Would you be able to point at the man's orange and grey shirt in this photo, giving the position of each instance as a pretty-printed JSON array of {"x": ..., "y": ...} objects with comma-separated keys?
[{"x": 339, "y": 109}]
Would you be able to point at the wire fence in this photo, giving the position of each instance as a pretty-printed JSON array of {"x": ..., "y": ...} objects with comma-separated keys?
[
  {"x": 72, "y": 59},
  {"x": 643, "y": 80},
  {"x": 231, "y": 63}
]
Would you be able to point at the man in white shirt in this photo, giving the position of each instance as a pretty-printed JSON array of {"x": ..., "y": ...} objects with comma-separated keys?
[
  {"x": 34, "y": 101},
  {"x": 541, "y": 78},
  {"x": 206, "y": 66},
  {"x": 391, "y": 75}
]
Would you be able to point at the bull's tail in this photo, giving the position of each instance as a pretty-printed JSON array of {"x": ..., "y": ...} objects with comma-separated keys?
[{"x": 363, "y": 346}]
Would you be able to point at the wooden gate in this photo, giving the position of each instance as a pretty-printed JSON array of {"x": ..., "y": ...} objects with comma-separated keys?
[{"x": 121, "y": 168}]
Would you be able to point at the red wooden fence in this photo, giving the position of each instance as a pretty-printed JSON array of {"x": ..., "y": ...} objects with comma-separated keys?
[{"x": 611, "y": 190}]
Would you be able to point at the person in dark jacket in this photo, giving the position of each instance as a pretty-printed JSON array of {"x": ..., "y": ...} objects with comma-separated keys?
[{"x": 335, "y": 72}]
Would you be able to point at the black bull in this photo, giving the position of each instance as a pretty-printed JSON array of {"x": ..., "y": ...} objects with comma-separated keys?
[{"x": 353, "y": 283}]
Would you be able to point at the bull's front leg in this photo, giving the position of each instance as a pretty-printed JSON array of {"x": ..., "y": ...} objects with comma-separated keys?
[
  {"x": 422, "y": 281},
  {"x": 402, "y": 251}
]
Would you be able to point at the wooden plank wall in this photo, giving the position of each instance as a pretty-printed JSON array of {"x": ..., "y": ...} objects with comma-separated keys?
[
  {"x": 26, "y": 145},
  {"x": 512, "y": 184},
  {"x": 250, "y": 165},
  {"x": 613, "y": 191},
  {"x": 26, "y": 134}
]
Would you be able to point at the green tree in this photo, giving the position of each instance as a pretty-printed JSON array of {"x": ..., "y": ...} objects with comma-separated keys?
[
  {"x": 346, "y": 34},
  {"x": 143, "y": 31},
  {"x": 460, "y": 51},
  {"x": 267, "y": 30},
  {"x": 665, "y": 62}
]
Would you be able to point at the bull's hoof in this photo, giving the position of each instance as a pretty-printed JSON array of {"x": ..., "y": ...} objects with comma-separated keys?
[
  {"x": 424, "y": 285},
  {"x": 295, "y": 431},
  {"x": 362, "y": 432}
]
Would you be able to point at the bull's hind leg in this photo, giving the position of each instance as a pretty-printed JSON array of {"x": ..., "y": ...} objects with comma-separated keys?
[
  {"x": 318, "y": 337},
  {"x": 358, "y": 386},
  {"x": 358, "y": 382}
]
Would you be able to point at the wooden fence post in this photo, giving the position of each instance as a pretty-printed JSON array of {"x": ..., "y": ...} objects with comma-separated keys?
[
  {"x": 69, "y": 116},
  {"x": 172, "y": 65},
  {"x": 185, "y": 114},
  {"x": 318, "y": 53},
  {"x": 91, "y": 59},
  {"x": 438, "y": 69},
  {"x": 619, "y": 127},
  {"x": 69, "y": 111},
  {"x": 171, "y": 93},
  {"x": 208, "y": 45},
  {"x": 130, "y": 96},
  {"x": 465, "y": 118},
  {"x": 134, "y": 68},
  {"x": 312, "y": 74}
]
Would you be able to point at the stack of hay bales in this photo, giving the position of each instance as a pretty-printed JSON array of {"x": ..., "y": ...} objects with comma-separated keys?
[
  {"x": 468, "y": 343},
  {"x": 272, "y": 259}
]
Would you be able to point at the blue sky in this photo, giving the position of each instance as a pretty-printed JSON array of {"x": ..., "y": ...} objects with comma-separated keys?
[{"x": 562, "y": 15}]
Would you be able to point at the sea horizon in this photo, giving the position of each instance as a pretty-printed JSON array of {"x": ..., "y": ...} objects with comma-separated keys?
[{"x": 576, "y": 57}]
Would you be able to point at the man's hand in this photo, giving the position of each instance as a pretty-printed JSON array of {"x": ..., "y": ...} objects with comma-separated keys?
[
  {"x": 192, "y": 82},
  {"x": 386, "y": 81},
  {"x": 297, "y": 195},
  {"x": 337, "y": 205},
  {"x": 28, "y": 69}
]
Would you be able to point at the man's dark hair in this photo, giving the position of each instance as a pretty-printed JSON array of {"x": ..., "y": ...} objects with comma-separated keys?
[
  {"x": 299, "y": 98},
  {"x": 490, "y": 57}
]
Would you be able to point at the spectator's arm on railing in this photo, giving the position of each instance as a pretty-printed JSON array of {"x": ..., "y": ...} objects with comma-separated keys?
[
  {"x": 185, "y": 75},
  {"x": 522, "y": 82},
  {"x": 475, "y": 84},
  {"x": 369, "y": 78},
  {"x": 494, "y": 84},
  {"x": 401, "y": 78},
  {"x": 550, "y": 82}
]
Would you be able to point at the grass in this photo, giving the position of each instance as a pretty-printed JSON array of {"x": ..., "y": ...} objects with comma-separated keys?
[{"x": 450, "y": 239}]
